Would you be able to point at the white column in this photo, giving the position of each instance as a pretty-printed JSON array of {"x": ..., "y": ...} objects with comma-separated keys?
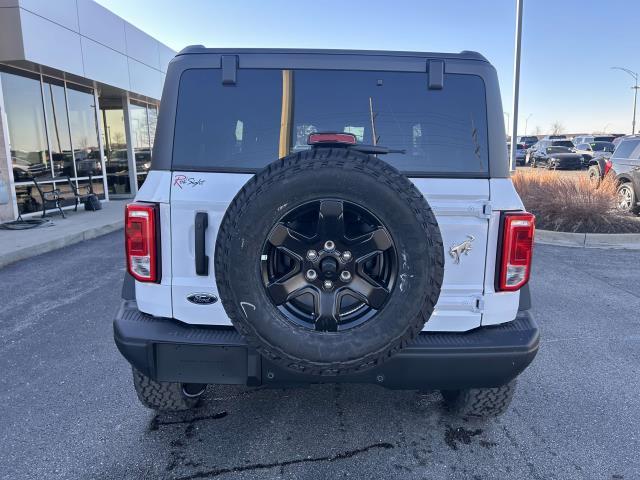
[
  {"x": 9, "y": 210},
  {"x": 101, "y": 143}
]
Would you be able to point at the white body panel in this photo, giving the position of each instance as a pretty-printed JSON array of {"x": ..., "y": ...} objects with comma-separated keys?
[
  {"x": 153, "y": 298},
  {"x": 459, "y": 205},
  {"x": 213, "y": 196},
  {"x": 463, "y": 208}
]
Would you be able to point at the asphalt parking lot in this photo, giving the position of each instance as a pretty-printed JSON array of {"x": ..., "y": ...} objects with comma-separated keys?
[{"x": 68, "y": 408}]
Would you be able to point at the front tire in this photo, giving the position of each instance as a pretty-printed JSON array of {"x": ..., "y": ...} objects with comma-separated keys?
[
  {"x": 480, "y": 402},
  {"x": 166, "y": 396}
]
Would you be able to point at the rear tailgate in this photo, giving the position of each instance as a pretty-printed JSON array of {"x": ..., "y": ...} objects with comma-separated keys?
[{"x": 460, "y": 206}]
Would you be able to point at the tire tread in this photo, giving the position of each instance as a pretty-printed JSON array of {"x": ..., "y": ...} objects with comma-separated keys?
[
  {"x": 480, "y": 402},
  {"x": 348, "y": 160},
  {"x": 163, "y": 396}
]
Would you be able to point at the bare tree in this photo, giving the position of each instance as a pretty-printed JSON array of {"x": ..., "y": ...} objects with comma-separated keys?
[
  {"x": 538, "y": 131},
  {"x": 557, "y": 128}
]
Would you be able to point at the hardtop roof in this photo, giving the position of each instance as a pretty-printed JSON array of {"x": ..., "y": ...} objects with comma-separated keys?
[{"x": 201, "y": 49}]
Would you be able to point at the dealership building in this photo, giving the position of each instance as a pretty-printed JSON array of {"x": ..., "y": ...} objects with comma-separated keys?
[{"x": 79, "y": 99}]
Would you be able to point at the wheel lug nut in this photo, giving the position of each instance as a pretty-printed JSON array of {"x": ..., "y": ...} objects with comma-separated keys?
[
  {"x": 312, "y": 255},
  {"x": 311, "y": 274},
  {"x": 345, "y": 276},
  {"x": 329, "y": 246},
  {"x": 346, "y": 256},
  {"x": 328, "y": 284}
]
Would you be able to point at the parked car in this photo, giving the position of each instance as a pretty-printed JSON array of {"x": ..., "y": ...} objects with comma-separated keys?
[
  {"x": 590, "y": 151},
  {"x": 528, "y": 152},
  {"x": 556, "y": 157},
  {"x": 24, "y": 170},
  {"x": 554, "y": 137},
  {"x": 521, "y": 151},
  {"x": 528, "y": 141},
  {"x": 88, "y": 163},
  {"x": 617, "y": 140},
  {"x": 592, "y": 138},
  {"x": 322, "y": 251},
  {"x": 624, "y": 163},
  {"x": 544, "y": 144}
]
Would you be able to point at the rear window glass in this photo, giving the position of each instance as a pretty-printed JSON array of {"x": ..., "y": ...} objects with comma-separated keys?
[
  {"x": 563, "y": 143},
  {"x": 270, "y": 113},
  {"x": 627, "y": 149}
]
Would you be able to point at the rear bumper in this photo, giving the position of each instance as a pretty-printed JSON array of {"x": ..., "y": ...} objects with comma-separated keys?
[{"x": 168, "y": 350}]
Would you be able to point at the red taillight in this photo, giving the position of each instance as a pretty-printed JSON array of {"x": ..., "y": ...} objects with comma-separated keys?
[
  {"x": 346, "y": 138},
  {"x": 517, "y": 250},
  {"x": 607, "y": 166},
  {"x": 140, "y": 241}
]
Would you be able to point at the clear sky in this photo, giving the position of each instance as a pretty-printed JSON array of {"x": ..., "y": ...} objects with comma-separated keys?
[{"x": 568, "y": 45}]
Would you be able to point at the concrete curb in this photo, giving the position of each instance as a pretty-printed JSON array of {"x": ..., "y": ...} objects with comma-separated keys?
[
  {"x": 629, "y": 241},
  {"x": 57, "y": 243}
]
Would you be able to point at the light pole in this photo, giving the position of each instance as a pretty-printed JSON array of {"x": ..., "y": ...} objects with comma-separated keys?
[
  {"x": 516, "y": 84},
  {"x": 526, "y": 123},
  {"x": 635, "y": 88}
]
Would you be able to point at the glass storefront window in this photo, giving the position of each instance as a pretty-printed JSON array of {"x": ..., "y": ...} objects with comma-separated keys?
[
  {"x": 84, "y": 131},
  {"x": 115, "y": 145},
  {"x": 58, "y": 128},
  {"x": 27, "y": 198},
  {"x": 153, "y": 122},
  {"x": 98, "y": 188},
  {"x": 25, "y": 119},
  {"x": 141, "y": 140},
  {"x": 41, "y": 115}
]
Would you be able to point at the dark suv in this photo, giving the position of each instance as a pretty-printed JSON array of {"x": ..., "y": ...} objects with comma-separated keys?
[
  {"x": 625, "y": 165},
  {"x": 528, "y": 141}
]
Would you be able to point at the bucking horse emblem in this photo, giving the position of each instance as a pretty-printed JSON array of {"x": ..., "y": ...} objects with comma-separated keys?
[{"x": 463, "y": 248}]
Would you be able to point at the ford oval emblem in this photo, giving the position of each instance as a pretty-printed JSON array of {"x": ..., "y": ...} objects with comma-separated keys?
[{"x": 202, "y": 298}]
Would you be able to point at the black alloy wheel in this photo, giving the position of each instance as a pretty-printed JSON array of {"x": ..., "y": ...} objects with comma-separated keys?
[{"x": 329, "y": 265}]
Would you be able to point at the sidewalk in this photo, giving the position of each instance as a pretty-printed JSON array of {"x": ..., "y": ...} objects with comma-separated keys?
[{"x": 78, "y": 226}]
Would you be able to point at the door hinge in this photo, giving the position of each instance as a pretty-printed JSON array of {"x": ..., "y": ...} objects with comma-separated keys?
[
  {"x": 478, "y": 305},
  {"x": 486, "y": 210}
]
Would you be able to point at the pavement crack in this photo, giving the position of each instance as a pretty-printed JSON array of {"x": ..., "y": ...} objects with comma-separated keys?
[
  {"x": 156, "y": 423},
  {"x": 265, "y": 466}
]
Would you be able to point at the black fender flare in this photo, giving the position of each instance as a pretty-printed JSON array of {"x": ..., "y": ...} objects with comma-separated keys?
[{"x": 600, "y": 162}]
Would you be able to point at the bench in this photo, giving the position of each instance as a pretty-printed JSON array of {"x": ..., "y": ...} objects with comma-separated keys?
[{"x": 52, "y": 197}]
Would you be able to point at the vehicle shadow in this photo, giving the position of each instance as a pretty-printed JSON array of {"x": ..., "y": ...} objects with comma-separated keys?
[{"x": 243, "y": 432}]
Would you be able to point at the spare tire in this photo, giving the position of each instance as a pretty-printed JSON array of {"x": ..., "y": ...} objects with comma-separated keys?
[{"x": 329, "y": 261}]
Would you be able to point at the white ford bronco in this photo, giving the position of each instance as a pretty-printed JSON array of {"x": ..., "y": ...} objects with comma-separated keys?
[{"x": 328, "y": 216}]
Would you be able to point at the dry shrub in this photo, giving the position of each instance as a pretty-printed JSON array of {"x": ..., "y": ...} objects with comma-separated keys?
[{"x": 571, "y": 203}]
